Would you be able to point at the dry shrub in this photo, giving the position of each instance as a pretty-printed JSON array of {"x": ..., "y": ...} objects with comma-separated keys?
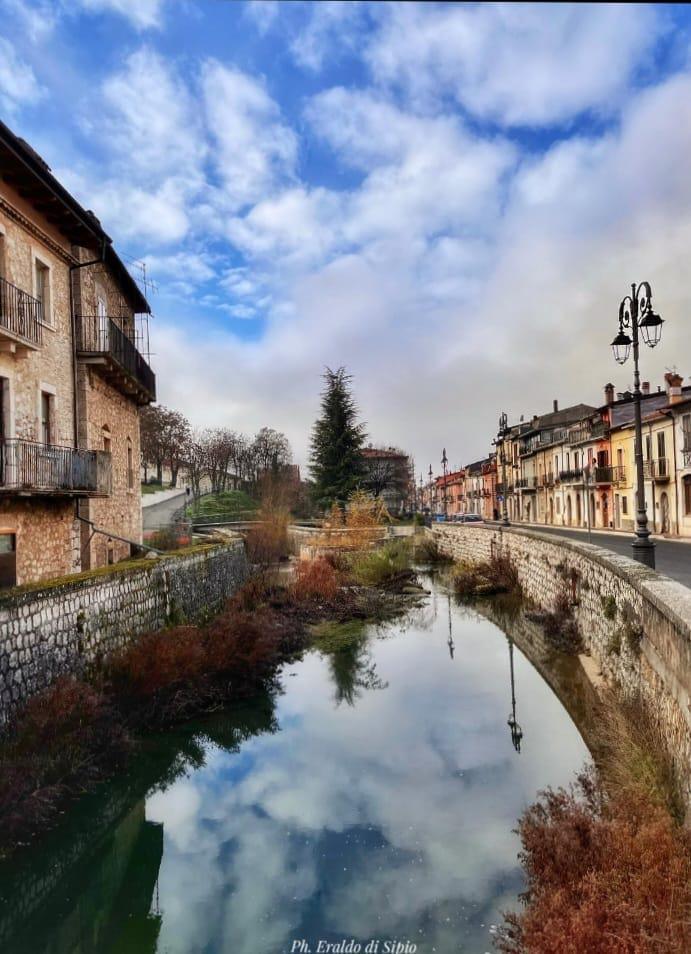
[
  {"x": 316, "y": 580},
  {"x": 58, "y": 745},
  {"x": 602, "y": 876},
  {"x": 497, "y": 575},
  {"x": 267, "y": 541},
  {"x": 358, "y": 528}
]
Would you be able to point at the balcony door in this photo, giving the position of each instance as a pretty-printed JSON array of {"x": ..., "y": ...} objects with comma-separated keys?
[
  {"x": 103, "y": 325},
  {"x": 46, "y": 427}
]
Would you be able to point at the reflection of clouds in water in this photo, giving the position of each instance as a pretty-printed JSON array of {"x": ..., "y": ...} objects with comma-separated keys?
[{"x": 424, "y": 769}]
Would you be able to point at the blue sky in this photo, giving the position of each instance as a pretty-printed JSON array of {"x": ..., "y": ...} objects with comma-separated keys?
[{"x": 449, "y": 199}]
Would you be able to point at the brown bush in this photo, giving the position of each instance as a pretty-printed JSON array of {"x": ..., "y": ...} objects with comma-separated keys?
[
  {"x": 267, "y": 541},
  {"x": 602, "y": 876},
  {"x": 316, "y": 580},
  {"x": 497, "y": 575}
]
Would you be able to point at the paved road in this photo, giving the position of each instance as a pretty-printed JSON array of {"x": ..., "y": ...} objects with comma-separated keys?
[
  {"x": 160, "y": 514},
  {"x": 671, "y": 558}
]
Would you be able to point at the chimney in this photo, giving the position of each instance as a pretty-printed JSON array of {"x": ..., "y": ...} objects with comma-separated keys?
[
  {"x": 645, "y": 387},
  {"x": 556, "y": 405},
  {"x": 609, "y": 394},
  {"x": 673, "y": 381}
]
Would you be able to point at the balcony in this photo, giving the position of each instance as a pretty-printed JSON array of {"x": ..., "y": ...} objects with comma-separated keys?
[
  {"x": 571, "y": 476},
  {"x": 593, "y": 432},
  {"x": 102, "y": 343},
  {"x": 686, "y": 454},
  {"x": 657, "y": 469},
  {"x": 27, "y": 467},
  {"x": 20, "y": 320}
]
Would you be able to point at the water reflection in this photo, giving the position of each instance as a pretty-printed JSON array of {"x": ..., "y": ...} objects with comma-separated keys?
[
  {"x": 516, "y": 731},
  {"x": 389, "y": 816}
]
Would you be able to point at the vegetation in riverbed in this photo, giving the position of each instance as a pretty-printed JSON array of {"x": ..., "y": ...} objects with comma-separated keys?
[
  {"x": 608, "y": 861},
  {"x": 78, "y": 732},
  {"x": 499, "y": 574},
  {"x": 426, "y": 550}
]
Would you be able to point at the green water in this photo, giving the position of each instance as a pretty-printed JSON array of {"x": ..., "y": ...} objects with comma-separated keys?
[{"x": 373, "y": 798}]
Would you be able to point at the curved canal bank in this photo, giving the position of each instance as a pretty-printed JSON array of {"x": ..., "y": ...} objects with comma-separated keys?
[
  {"x": 634, "y": 622},
  {"x": 373, "y": 797}
]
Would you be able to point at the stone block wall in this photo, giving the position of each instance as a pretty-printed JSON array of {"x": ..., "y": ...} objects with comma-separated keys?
[
  {"x": 636, "y": 623},
  {"x": 69, "y": 625}
]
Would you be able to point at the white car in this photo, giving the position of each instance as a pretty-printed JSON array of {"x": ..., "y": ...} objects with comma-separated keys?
[{"x": 468, "y": 518}]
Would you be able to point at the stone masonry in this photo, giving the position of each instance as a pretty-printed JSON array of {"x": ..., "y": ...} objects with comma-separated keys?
[
  {"x": 636, "y": 623},
  {"x": 69, "y": 625}
]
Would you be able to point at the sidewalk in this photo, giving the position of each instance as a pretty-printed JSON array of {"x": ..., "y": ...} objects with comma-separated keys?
[
  {"x": 150, "y": 500},
  {"x": 601, "y": 531}
]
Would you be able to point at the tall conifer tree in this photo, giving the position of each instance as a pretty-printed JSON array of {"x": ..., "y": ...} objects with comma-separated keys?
[{"x": 336, "y": 459}]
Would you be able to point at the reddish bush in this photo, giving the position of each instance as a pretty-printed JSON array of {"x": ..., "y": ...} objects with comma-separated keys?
[
  {"x": 603, "y": 876},
  {"x": 316, "y": 580}
]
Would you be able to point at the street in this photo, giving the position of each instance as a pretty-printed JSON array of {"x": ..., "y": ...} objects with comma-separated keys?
[
  {"x": 671, "y": 558},
  {"x": 159, "y": 514}
]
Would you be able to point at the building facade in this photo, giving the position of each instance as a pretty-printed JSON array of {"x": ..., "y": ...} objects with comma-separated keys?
[{"x": 72, "y": 379}]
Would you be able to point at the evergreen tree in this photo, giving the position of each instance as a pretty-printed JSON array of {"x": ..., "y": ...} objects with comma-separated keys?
[{"x": 336, "y": 459}]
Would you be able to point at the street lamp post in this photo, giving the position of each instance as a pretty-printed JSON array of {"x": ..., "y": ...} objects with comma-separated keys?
[
  {"x": 444, "y": 462},
  {"x": 636, "y": 312},
  {"x": 432, "y": 499},
  {"x": 503, "y": 427}
]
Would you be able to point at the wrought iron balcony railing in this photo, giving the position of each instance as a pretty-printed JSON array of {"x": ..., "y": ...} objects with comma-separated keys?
[
  {"x": 657, "y": 469},
  {"x": 20, "y": 315},
  {"x": 103, "y": 342},
  {"x": 31, "y": 467},
  {"x": 573, "y": 476}
]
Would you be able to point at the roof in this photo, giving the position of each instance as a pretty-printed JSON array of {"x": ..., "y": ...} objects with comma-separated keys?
[
  {"x": 384, "y": 452},
  {"x": 569, "y": 415},
  {"x": 622, "y": 413},
  {"x": 23, "y": 168}
]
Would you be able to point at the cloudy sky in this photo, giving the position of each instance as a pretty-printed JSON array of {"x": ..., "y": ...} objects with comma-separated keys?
[{"x": 450, "y": 200}]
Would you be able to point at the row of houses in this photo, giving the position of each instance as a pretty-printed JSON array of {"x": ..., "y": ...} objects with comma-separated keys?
[
  {"x": 576, "y": 466},
  {"x": 72, "y": 380}
]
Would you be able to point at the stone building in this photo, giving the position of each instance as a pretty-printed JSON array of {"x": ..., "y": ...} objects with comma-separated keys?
[{"x": 72, "y": 379}]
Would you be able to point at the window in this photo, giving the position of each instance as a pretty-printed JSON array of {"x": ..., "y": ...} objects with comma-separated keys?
[
  {"x": 106, "y": 439},
  {"x": 3, "y": 274},
  {"x": 660, "y": 444},
  {"x": 687, "y": 496},
  {"x": 620, "y": 457},
  {"x": 47, "y": 409},
  {"x": 648, "y": 447},
  {"x": 624, "y": 504},
  {"x": 8, "y": 558},
  {"x": 686, "y": 432},
  {"x": 130, "y": 466},
  {"x": 42, "y": 288}
]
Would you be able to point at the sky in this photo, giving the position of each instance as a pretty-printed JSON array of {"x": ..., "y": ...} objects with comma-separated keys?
[{"x": 449, "y": 200}]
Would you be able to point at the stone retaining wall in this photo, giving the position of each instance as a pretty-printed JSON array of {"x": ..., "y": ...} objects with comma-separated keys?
[
  {"x": 636, "y": 623},
  {"x": 67, "y": 625}
]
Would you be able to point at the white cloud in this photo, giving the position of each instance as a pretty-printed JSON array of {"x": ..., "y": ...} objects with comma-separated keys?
[
  {"x": 330, "y": 28},
  {"x": 262, "y": 13},
  {"x": 142, "y": 14},
  {"x": 146, "y": 115},
  {"x": 516, "y": 64},
  {"x": 253, "y": 149},
  {"x": 18, "y": 84}
]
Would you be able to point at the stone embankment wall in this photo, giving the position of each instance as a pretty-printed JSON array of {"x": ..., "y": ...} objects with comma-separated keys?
[
  {"x": 68, "y": 625},
  {"x": 636, "y": 623}
]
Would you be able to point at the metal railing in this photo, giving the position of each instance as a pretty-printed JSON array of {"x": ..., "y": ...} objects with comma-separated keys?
[
  {"x": 50, "y": 468},
  {"x": 100, "y": 335},
  {"x": 20, "y": 314},
  {"x": 657, "y": 469},
  {"x": 573, "y": 476}
]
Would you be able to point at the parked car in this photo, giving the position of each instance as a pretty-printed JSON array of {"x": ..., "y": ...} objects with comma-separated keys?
[{"x": 468, "y": 518}]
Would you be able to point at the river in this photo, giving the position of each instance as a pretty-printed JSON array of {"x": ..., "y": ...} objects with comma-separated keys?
[{"x": 372, "y": 799}]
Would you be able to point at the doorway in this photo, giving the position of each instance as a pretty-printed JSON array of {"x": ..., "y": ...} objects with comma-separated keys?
[{"x": 664, "y": 512}]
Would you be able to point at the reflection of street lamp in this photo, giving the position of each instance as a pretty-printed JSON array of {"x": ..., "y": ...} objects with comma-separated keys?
[
  {"x": 449, "y": 641},
  {"x": 516, "y": 731},
  {"x": 503, "y": 429},
  {"x": 444, "y": 462},
  {"x": 636, "y": 311}
]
